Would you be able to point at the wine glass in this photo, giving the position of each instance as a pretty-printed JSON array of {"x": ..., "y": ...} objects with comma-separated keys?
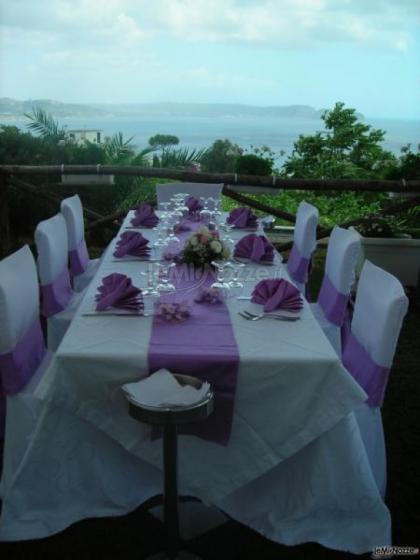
[
  {"x": 150, "y": 293},
  {"x": 172, "y": 247},
  {"x": 164, "y": 209},
  {"x": 235, "y": 285},
  {"x": 158, "y": 245},
  {"x": 221, "y": 285},
  {"x": 164, "y": 286}
]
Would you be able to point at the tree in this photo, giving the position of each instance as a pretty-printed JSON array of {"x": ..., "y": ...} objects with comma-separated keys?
[
  {"x": 161, "y": 141},
  {"x": 347, "y": 149},
  {"x": 251, "y": 164},
  {"x": 221, "y": 157}
]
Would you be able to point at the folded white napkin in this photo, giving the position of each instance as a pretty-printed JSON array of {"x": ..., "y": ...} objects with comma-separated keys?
[{"x": 162, "y": 389}]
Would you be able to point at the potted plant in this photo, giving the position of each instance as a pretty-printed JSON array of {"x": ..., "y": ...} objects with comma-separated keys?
[{"x": 384, "y": 244}]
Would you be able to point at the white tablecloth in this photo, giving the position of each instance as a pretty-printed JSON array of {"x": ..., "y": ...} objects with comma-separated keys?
[{"x": 294, "y": 469}]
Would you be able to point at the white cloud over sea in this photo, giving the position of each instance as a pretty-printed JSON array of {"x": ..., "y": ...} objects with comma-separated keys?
[{"x": 257, "y": 51}]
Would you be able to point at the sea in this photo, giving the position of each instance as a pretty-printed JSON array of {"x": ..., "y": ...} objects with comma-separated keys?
[{"x": 278, "y": 133}]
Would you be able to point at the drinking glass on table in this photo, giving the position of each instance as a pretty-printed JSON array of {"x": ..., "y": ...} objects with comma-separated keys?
[
  {"x": 164, "y": 286},
  {"x": 150, "y": 293},
  {"x": 235, "y": 285},
  {"x": 221, "y": 285},
  {"x": 164, "y": 208}
]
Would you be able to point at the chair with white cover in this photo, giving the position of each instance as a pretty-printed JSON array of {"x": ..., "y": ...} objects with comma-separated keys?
[
  {"x": 331, "y": 309},
  {"x": 23, "y": 356},
  {"x": 58, "y": 300},
  {"x": 82, "y": 268},
  {"x": 165, "y": 191},
  {"x": 380, "y": 307},
  {"x": 304, "y": 244}
]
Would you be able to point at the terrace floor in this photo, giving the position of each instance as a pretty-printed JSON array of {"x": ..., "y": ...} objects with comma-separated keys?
[{"x": 138, "y": 534}]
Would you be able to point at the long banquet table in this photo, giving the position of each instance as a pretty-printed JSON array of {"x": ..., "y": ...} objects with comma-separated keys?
[{"x": 294, "y": 468}]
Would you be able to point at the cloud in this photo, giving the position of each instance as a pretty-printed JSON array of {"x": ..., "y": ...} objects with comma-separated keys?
[{"x": 282, "y": 24}]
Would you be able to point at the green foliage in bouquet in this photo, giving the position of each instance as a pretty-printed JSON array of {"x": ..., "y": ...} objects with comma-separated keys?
[{"x": 203, "y": 247}]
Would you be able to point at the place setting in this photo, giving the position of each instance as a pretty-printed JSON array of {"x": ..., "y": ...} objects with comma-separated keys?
[
  {"x": 117, "y": 296},
  {"x": 144, "y": 217},
  {"x": 274, "y": 298},
  {"x": 132, "y": 246}
]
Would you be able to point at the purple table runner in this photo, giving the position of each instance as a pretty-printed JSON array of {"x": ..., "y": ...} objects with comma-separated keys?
[{"x": 203, "y": 346}]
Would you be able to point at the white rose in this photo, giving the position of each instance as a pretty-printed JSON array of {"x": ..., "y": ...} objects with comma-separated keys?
[
  {"x": 193, "y": 241},
  {"x": 216, "y": 246}
]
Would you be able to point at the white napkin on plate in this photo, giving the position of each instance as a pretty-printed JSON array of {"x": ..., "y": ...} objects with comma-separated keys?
[{"x": 162, "y": 389}]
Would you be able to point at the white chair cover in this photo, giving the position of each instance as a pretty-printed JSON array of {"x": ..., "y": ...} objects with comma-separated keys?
[
  {"x": 19, "y": 309},
  {"x": 72, "y": 211},
  {"x": 380, "y": 307},
  {"x": 19, "y": 297},
  {"x": 165, "y": 191},
  {"x": 304, "y": 236},
  {"x": 343, "y": 251},
  {"x": 52, "y": 247}
]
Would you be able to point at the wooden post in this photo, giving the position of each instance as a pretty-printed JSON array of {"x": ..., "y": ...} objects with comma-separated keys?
[{"x": 4, "y": 216}]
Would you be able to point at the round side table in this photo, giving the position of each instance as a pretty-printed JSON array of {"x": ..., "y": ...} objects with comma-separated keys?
[{"x": 169, "y": 418}]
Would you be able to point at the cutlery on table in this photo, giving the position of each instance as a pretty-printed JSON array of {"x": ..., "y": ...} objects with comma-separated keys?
[
  {"x": 253, "y": 317},
  {"x": 112, "y": 314}
]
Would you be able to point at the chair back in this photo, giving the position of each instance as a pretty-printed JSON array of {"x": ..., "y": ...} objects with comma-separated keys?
[
  {"x": 165, "y": 191},
  {"x": 379, "y": 310},
  {"x": 22, "y": 345},
  {"x": 343, "y": 251},
  {"x": 304, "y": 242},
  {"x": 72, "y": 210},
  {"x": 52, "y": 245}
]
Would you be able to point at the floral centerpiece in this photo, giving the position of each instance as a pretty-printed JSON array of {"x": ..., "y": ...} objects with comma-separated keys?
[{"x": 203, "y": 247}]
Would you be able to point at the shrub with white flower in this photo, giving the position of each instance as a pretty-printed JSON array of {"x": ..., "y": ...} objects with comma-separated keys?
[{"x": 203, "y": 247}]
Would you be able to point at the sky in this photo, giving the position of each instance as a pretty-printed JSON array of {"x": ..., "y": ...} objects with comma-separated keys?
[{"x": 365, "y": 53}]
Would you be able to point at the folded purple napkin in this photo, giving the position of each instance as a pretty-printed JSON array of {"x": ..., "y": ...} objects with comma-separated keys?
[
  {"x": 181, "y": 226},
  {"x": 257, "y": 248},
  {"x": 145, "y": 216},
  {"x": 132, "y": 243},
  {"x": 117, "y": 291},
  {"x": 277, "y": 294},
  {"x": 242, "y": 218},
  {"x": 193, "y": 204}
]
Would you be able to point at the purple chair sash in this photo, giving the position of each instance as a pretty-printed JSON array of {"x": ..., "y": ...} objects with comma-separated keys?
[
  {"x": 298, "y": 266},
  {"x": 203, "y": 346},
  {"x": 79, "y": 259},
  {"x": 332, "y": 302},
  {"x": 371, "y": 377},
  {"x": 19, "y": 365},
  {"x": 57, "y": 295}
]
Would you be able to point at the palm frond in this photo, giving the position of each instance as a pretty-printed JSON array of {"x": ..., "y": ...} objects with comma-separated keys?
[
  {"x": 44, "y": 124},
  {"x": 180, "y": 157},
  {"x": 117, "y": 149}
]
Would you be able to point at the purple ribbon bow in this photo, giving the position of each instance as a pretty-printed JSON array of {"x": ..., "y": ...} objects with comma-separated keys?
[
  {"x": 277, "y": 294},
  {"x": 242, "y": 218},
  {"x": 257, "y": 248},
  {"x": 193, "y": 204},
  {"x": 132, "y": 243},
  {"x": 118, "y": 291},
  {"x": 145, "y": 216}
]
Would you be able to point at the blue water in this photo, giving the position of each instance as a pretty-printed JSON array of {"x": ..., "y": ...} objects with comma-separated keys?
[{"x": 197, "y": 132}]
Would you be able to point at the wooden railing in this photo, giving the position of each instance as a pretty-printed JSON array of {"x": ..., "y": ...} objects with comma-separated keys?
[{"x": 12, "y": 176}]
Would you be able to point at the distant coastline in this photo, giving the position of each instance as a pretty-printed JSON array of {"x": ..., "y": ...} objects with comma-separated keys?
[
  {"x": 276, "y": 127},
  {"x": 13, "y": 108}
]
